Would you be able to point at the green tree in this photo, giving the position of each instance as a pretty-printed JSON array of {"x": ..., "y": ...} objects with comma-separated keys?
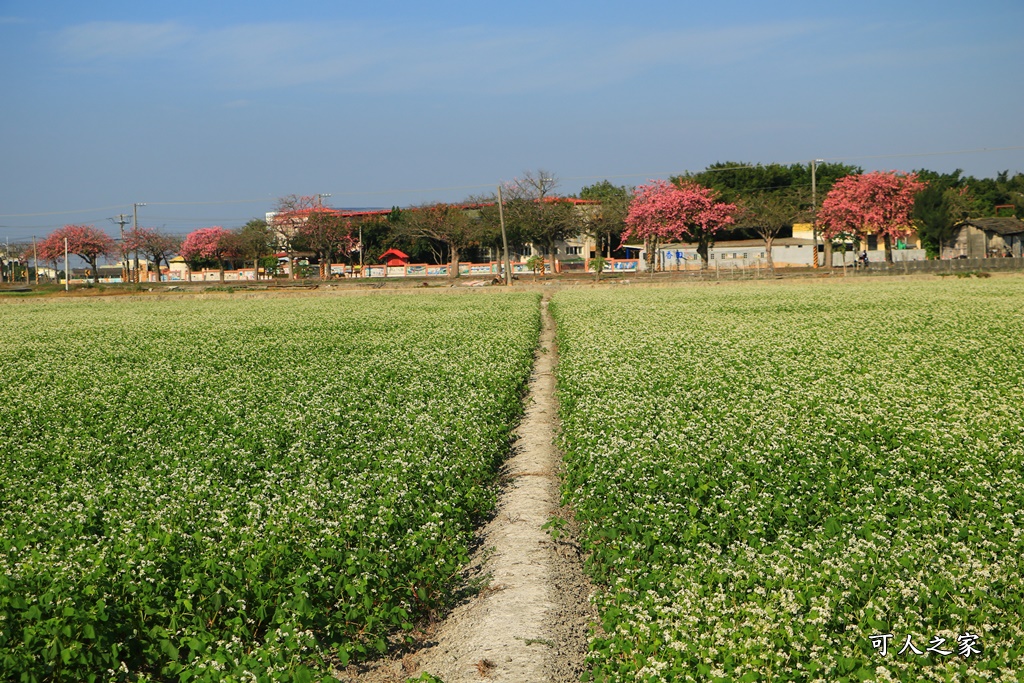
[
  {"x": 156, "y": 246},
  {"x": 939, "y": 208},
  {"x": 1003, "y": 190},
  {"x": 256, "y": 242},
  {"x": 606, "y": 221},
  {"x": 535, "y": 212},
  {"x": 735, "y": 180},
  {"x": 767, "y": 213},
  {"x": 328, "y": 234},
  {"x": 485, "y": 209},
  {"x": 803, "y": 186},
  {"x": 447, "y": 224},
  {"x": 290, "y": 213}
]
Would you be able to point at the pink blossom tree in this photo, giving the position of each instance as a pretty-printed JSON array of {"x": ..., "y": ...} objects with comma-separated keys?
[
  {"x": 877, "y": 203},
  {"x": 664, "y": 211},
  {"x": 84, "y": 241},
  {"x": 209, "y": 245}
]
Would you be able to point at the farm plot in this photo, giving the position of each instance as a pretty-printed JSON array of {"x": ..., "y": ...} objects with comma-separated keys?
[
  {"x": 800, "y": 483},
  {"x": 243, "y": 490}
]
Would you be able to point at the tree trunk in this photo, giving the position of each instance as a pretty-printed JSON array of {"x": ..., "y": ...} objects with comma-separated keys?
[
  {"x": 453, "y": 263},
  {"x": 768, "y": 254},
  {"x": 888, "y": 248},
  {"x": 220, "y": 262},
  {"x": 702, "y": 251},
  {"x": 828, "y": 254}
]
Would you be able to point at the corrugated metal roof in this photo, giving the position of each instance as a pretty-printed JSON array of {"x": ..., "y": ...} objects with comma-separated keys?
[{"x": 1005, "y": 225}]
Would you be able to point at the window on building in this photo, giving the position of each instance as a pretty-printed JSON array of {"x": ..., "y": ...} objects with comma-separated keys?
[
  {"x": 712, "y": 257},
  {"x": 574, "y": 251}
]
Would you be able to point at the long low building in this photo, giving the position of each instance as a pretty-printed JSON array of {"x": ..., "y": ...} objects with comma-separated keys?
[{"x": 787, "y": 252}]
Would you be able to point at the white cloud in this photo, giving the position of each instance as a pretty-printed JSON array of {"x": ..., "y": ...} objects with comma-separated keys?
[
  {"x": 396, "y": 58},
  {"x": 120, "y": 40}
]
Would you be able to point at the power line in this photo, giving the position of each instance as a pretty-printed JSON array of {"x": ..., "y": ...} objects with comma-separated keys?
[
  {"x": 662, "y": 174},
  {"x": 63, "y": 213},
  {"x": 488, "y": 185},
  {"x": 929, "y": 154}
]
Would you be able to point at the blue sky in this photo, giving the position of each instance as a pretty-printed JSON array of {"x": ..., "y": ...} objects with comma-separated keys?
[{"x": 208, "y": 112}]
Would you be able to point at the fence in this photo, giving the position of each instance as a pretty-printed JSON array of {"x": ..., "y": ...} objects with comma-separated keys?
[
  {"x": 956, "y": 265},
  {"x": 494, "y": 268},
  {"x": 750, "y": 269},
  {"x": 757, "y": 269}
]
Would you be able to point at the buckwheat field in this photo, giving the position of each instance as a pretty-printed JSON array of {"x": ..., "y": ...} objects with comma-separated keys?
[
  {"x": 243, "y": 490},
  {"x": 815, "y": 482}
]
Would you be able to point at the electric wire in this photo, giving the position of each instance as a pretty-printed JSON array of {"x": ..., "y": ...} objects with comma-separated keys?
[{"x": 200, "y": 220}]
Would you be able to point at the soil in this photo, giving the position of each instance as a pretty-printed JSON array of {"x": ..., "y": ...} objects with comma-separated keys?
[{"x": 525, "y": 616}]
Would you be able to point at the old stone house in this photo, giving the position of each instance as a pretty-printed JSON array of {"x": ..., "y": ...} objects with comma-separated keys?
[{"x": 987, "y": 238}]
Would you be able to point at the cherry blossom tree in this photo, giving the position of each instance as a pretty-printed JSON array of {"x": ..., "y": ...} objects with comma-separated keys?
[
  {"x": 84, "y": 241},
  {"x": 878, "y": 203},
  {"x": 210, "y": 245},
  {"x": 664, "y": 211}
]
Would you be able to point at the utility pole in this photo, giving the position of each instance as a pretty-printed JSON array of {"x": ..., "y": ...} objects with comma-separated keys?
[
  {"x": 325, "y": 268},
  {"x": 67, "y": 271},
  {"x": 122, "y": 220},
  {"x": 814, "y": 208},
  {"x": 135, "y": 227},
  {"x": 504, "y": 240},
  {"x": 35, "y": 257}
]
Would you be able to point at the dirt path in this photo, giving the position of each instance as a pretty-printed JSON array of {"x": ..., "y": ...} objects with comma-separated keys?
[{"x": 528, "y": 622}]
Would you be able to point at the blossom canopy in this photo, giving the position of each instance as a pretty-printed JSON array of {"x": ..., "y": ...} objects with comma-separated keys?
[{"x": 877, "y": 203}]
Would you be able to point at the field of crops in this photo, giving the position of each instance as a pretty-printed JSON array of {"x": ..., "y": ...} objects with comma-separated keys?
[
  {"x": 246, "y": 489},
  {"x": 802, "y": 482}
]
